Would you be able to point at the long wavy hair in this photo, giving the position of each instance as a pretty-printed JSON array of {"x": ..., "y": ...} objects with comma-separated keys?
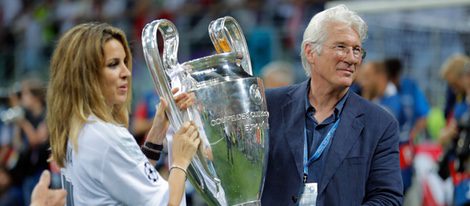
[{"x": 75, "y": 87}]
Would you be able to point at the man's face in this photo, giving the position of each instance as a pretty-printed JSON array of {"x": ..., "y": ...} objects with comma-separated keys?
[{"x": 340, "y": 57}]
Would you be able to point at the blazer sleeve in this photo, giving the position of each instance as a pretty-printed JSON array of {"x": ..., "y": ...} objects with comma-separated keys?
[{"x": 384, "y": 184}]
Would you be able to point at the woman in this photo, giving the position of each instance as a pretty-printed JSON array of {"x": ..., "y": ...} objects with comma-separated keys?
[{"x": 88, "y": 101}]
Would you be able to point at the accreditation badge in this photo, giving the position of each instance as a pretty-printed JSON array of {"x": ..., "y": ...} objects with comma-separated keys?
[{"x": 309, "y": 195}]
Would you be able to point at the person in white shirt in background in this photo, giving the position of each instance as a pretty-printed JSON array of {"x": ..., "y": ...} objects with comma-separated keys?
[{"x": 88, "y": 103}]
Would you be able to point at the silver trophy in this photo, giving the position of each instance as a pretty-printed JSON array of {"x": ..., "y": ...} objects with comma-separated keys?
[{"x": 230, "y": 110}]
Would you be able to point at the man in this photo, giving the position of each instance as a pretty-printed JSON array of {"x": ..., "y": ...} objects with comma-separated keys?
[
  {"x": 43, "y": 196},
  {"x": 451, "y": 71},
  {"x": 412, "y": 98},
  {"x": 349, "y": 145},
  {"x": 377, "y": 87}
]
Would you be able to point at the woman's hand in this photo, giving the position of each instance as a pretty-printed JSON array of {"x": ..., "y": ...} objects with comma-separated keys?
[
  {"x": 160, "y": 124},
  {"x": 185, "y": 143}
]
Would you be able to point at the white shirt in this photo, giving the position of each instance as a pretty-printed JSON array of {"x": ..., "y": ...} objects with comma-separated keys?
[
  {"x": 390, "y": 90},
  {"x": 110, "y": 169}
]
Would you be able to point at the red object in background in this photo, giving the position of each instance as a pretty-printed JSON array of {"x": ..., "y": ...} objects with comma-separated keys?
[
  {"x": 8, "y": 157},
  {"x": 408, "y": 151},
  {"x": 141, "y": 111},
  {"x": 428, "y": 197},
  {"x": 406, "y": 155},
  {"x": 432, "y": 149}
]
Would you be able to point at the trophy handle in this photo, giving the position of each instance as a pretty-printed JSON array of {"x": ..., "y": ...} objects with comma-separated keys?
[
  {"x": 227, "y": 36},
  {"x": 159, "y": 69}
]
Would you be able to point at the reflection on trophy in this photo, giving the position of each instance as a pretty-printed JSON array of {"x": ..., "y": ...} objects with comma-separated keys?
[{"x": 230, "y": 110}]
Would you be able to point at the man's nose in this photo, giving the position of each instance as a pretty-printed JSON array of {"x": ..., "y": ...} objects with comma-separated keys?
[{"x": 351, "y": 58}]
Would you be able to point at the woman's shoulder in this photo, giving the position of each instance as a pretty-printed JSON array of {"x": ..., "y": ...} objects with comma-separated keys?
[
  {"x": 98, "y": 131},
  {"x": 95, "y": 122}
]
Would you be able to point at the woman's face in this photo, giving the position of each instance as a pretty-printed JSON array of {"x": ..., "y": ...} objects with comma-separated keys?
[{"x": 115, "y": 74}]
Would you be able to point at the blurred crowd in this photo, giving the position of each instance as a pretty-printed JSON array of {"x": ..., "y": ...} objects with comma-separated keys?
[
  {"x": 434, "y": 142},
  {"x": 434, "y": 147},
  {"x": 24, "y": 145},
  {"x": 29, "y": 28}
]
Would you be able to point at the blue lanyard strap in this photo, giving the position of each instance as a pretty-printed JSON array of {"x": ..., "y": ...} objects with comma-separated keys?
[{"x": 320, "y": 149}]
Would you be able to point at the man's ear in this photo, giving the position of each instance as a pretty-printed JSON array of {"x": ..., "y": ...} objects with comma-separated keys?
[{"x": 310, "y": 53}]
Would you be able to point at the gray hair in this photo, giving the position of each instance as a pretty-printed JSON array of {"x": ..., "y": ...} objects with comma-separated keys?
[{"x": 315, "y": 33}]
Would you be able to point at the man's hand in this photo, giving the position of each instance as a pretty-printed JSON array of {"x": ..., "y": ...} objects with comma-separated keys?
[
  {"x": 183, "y": 100},
  {"x": 43, "y": 196}
]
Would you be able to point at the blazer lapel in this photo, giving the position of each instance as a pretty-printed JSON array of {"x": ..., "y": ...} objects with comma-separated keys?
[
  {"x": 349, "y": 129},
  {"x": 293, "y": 113}
]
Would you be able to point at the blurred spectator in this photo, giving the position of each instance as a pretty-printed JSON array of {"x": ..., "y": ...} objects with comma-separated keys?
[
  {"x": 9, "y": 112},
  {"x": 33, "y": 153},
  {"x": 29, "y": 30},
  {"x": 415, "y": 109},
  {"x": 278, "y": 74},
  {"x": 367, "y": 80},
  {"x": 451, "y": 71},
  {"x": 10, "y": 181},
  {"x": 454, "y": 137},
  {"x": 33, "y": 127},
  {"x": 415, "y": 104},
  {"x": 375, "y": 86}
]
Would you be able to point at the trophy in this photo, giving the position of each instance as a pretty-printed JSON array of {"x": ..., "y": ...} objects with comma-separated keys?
[{"x": 230, "y": 110}]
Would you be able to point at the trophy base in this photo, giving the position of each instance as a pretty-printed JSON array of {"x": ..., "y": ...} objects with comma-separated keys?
[{"x": 251, "y": 203}]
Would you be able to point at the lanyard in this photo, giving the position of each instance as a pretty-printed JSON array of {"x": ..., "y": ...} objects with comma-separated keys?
[{"x": 320, "y": 149}]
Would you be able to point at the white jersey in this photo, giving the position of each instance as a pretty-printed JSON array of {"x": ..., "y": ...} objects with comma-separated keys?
[{"x": 110, "y": 169}]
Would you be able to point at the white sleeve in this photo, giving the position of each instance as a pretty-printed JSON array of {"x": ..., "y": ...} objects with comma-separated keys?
[{"x": 128, "y": 176}]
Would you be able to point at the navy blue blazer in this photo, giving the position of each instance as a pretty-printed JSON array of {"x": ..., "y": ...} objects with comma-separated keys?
[{"x": 362, "y": 166}]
